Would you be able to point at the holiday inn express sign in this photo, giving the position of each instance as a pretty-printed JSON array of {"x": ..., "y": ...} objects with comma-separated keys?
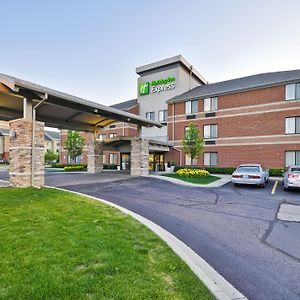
[{"x": 157, "y": 86}]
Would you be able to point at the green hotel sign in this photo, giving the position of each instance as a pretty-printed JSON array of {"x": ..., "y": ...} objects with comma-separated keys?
[
  {"x": 157, "y": 86},
  {"x": 144, "y": 88}
]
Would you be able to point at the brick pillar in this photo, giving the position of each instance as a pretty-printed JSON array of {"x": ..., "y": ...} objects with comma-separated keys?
[
  {"x": 20, "y": 150},
  {"x": 95, "y": 157},
  {"x": 139, "y": 157}
]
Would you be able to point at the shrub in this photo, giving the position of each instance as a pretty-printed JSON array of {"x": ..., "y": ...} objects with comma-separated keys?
[
  {"x": 74, "y": 168},
  {"x": 227, "y": 170},
  {"x": 58, "y": 165},
  {"x": 192, "y": 173},
  {"x": 51, "y": 157},
  {"x": 276, "y": 172},
  {"x": 110, "y": 167}
]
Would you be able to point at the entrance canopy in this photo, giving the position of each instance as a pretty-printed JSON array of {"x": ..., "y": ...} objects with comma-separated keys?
[
  {"x": 123, "y": 144},
  {"x": 58, "y": 109}
]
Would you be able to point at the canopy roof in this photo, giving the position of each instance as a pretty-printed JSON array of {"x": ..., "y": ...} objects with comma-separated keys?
[{"x": 60, "y": 110}]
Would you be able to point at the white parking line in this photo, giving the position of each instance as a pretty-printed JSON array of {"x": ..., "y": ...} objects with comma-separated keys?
[{"x": 274, "y": 187}]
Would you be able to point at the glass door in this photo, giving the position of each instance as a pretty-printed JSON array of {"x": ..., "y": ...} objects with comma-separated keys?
[{"x": 125, "y": 161}]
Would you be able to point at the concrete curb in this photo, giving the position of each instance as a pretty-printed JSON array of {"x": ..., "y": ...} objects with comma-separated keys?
[
  {"x": 216, "y": 283},
  {"x": 214, "y": 184}
]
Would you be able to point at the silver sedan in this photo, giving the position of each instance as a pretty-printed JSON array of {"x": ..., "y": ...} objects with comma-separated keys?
[
  {"x": 250, "y": 174},
  {"x": 291, "y": 178}
]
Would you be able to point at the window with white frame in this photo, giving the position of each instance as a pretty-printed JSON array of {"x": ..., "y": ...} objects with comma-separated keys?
[
  {"x": 210, "y": 131},
  {"x": 210, "y": 158},
  {"x": 150, "y": 115},
  {"x": 292, "y": 125},
  {"x": 292, "y": 91},
  {"x": 113, "y": 158},
  {"x": 191, "y": 107},
  {"x": 102, "y": 137},
  {"x": 211, "y": 104},
  {"x": 292, "y": 158},
  {"x": 112, "y": 135},
  {"x": 162, "y": 115},
  {"x": 189, "y": 162}
]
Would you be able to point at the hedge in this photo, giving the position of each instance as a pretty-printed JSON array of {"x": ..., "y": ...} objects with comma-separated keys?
[
  {"x": 74, "y": 168},
  {"x": 58, "y": 165},
  {"x": 228, "y": 170},
  {"x": 110, "y": 167},
  {"x": 105, "y": 166}
]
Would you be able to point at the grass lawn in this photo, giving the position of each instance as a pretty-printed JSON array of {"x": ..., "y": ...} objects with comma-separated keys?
[
  {"x": 198, "y": 180},
  {"x": 56, "y": 245}
]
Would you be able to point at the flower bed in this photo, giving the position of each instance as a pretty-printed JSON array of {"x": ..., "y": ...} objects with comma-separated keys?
[{"x": 192, "y": 173}]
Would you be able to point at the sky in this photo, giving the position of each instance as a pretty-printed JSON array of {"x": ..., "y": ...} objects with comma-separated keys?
[{"x": 91, "y": 48}]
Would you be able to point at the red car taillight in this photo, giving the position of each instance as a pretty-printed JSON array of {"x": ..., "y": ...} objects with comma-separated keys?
[
  {"x": 236, "y": 176},
  {"x": 254, "y": 176},
  {"x": 292, "y": 176}
]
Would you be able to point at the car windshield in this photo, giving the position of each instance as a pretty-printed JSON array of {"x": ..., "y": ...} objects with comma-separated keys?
[
  {"x": 248, "y": 169},
  {"x": 295, "y": 169}
]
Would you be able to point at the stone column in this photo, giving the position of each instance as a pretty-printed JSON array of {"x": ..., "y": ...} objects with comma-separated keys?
[
  {"x": 95, "y": 157},
  {"x": 139, "y": 157},
  {"x": 20, "y": 149}
]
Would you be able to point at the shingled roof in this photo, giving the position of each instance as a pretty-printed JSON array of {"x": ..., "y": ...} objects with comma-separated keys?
[
  {"x": 239, "y": 85},
  {"x": 125, "y": 105}
]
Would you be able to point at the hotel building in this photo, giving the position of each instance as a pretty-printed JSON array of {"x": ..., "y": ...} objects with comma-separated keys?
[{"x": 253, "y": 119}]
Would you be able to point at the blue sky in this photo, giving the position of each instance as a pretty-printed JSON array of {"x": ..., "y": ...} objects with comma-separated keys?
[{"x": 91, "y": 48}]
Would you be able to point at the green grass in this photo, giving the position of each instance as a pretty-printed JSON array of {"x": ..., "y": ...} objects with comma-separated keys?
[
  {"x": 197, "y": 180},
  {"x": 57, "y": 245}
]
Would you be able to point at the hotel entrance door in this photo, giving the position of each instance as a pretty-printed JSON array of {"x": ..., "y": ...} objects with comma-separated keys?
[{"x": 156, "y": 162}]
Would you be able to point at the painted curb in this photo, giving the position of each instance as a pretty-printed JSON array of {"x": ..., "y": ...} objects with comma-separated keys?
[{"x": 215, "y": 282}]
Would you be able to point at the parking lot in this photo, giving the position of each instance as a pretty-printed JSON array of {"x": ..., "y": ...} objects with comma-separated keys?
[{"x": 235, "y": 229}]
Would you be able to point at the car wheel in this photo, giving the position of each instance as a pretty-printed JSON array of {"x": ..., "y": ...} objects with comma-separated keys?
[
  {"x": 262, "y": 185},
  {"x": 235, "y": 184}
]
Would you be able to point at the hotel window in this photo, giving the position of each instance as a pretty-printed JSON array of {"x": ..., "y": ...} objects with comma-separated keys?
[
  {"x": 150, "y": 115},
  {"x": 210, "y": 158},
  {"x": 211, "y": 104},
  {"x": 292, "y": 91},
  {"x": 189, "y": 162},
  {"x": 112, "y": 135},
  {"x": 210, "y": 131},
  {"x": 101, "y": 137},
  {"x": 113, "y": 158},
  {"x": 292, "y": 125},
  {"x": 162, "y": 115},
  {"x": 292, "y": 158},
  {"x": 191, "y": 107}
]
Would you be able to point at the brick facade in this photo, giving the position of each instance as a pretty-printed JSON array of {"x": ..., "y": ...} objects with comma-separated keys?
[{"x": 251, "y": 128}]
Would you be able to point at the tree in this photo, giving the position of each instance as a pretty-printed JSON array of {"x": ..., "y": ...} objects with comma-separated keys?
[
  {"x": 192, "y": 143},
  {"x": 50, "y": 157},
  {"x": 74, "y": 144}
]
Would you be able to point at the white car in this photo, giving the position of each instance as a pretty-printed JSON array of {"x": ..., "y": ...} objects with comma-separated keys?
[
  {"x": 250, "y": 174},
  {"x": 291, "y": 178}
]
